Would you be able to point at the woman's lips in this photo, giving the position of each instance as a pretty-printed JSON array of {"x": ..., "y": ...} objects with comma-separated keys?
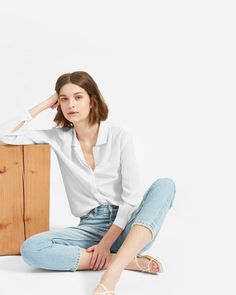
[{"x": 74, "y": 113}]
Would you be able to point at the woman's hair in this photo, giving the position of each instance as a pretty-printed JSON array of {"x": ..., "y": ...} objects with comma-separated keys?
[{"x": 99, "y": 108}]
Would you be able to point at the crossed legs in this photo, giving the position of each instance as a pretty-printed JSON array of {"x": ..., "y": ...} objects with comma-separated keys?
[
  {"x": 86, "y": 257},
  {"x": 137, "y": 238},
  {"x": 156, "y": 203},
  {"x": 45, "y": 249}
]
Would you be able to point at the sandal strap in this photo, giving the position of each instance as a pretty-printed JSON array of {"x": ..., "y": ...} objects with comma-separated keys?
[
  {"x": 106, "y": 291},
  {"x": 160, "y": 267},
  {"x": 148, "y": 266}
]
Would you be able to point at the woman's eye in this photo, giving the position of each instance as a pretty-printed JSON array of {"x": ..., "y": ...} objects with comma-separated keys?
[{"x": 65, "y": 98}]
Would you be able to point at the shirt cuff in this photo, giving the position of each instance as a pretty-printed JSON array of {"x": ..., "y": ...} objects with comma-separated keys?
[
  {"x": 7, "y": 127},
  {"x": 26, "y": 116},
  {"x": 124, "y": 214}
]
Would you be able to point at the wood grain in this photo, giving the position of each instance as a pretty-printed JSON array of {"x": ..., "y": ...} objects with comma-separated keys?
[{"x": 24, "y": 194}]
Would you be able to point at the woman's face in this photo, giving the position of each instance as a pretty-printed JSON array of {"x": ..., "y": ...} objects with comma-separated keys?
[{"x": 73, "y": 98}]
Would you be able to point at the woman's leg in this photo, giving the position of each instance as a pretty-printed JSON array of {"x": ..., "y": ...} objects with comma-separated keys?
[
  {"x": 86, "y": 257},
  {"x": 55, "y": 250},
  {"x": 157, "y": 201},
  {"x": 64, "y": 249},
  {"x": 141, "y": 230}
]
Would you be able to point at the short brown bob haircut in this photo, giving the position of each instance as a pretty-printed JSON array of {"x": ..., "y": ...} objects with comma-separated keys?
[{"x": 99, "y": 108}]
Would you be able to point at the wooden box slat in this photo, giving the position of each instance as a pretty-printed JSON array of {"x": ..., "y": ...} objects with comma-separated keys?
[
  {"x": 36, "y": 189},
  {"x": 11, "y": 199},
  {"x": 24, "y": 194}
]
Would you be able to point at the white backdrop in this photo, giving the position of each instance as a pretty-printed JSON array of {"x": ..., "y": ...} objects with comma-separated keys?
[{"x": 167, "y": 72}]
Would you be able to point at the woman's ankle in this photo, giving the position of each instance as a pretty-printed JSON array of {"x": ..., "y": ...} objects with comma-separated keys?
[{"x": 111, "y": 276}]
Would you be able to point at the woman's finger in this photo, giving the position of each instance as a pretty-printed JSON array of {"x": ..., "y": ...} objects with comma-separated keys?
[
  {"x": 55, "y": 105},
  {"x": 98, "y": 261},
  {"x": 103, "y": 263},
  {"x": 93, "y": 259},
  {"x": 90, "y": 249}
]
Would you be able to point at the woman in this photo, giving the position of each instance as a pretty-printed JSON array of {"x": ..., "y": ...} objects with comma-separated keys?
[{"x": 101, "y": 179}]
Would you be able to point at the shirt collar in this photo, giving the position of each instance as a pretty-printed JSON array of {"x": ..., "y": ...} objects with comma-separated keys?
[{"x": 101, "y": 138}]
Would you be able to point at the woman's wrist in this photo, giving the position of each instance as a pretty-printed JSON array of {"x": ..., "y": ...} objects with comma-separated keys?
[
  {"x": 106, "y": 243},
  {"x": 111, "y": 235}
]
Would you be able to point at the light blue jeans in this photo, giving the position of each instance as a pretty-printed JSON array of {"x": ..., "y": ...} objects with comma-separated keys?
[{"x": 61, "y": 250}]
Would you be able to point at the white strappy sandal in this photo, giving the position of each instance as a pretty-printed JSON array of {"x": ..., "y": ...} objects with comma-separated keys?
[
  {"x": 106, "y": 292},
  {"x": 148, "y": 270}
]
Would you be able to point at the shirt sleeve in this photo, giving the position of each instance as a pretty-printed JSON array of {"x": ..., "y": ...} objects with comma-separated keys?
[
  {"x": 22, "y": 135},
  {"x": 130, "y": 179}
]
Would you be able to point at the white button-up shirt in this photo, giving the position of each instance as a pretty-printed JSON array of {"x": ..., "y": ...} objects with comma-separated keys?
[{"x": 115, "y": 179}]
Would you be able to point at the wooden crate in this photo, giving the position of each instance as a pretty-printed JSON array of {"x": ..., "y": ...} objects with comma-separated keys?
[{"x": 24, "y": 194}]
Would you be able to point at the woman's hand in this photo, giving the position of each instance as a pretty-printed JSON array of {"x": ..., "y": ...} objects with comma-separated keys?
[
  {"x": 52, "y": 101},
  {"x": 101, "y": 256}
]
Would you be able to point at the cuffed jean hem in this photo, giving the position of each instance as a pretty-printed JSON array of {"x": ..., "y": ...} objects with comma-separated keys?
[
  {"x": 147, "y": 225},
  {"x": 71, "y": 269},
  {"x": 42, "y": 251},
  {"x": 77, "y": 260},
  {"x": 151, "y": 213}
]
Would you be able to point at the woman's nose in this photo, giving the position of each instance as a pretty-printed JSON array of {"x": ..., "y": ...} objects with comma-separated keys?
[{"x": 71, "y": 103}]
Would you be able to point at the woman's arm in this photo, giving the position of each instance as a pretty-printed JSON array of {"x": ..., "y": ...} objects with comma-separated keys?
[
  {"x": 131, "y": 196},
  {"x": 111, "y": 235},
  {"x": 131, "y": 191},
  {"x": 52, "y": 102},
  {"x": 8, "y": 130}
]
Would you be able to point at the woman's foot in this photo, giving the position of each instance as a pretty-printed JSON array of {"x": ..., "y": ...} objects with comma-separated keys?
[
  {"x": 108, "y": 281},
  {"x": 144, "y": 262},
  {"x": 107, "y": 284},
  {"x": 101, "y": 289}
]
